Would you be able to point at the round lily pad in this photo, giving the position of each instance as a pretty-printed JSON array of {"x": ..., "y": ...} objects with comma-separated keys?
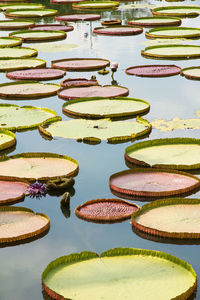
[
  {"x": 111, "y": 22},
  {"x": 17, "y": 52},
  {"x": 39, "y": 35},
  {"x": 173, "y": 32},
  {"x": 173, "y": 153},
  {"x": 78, "y": 17},
  {"x": 13, "y": 64},
  {"x": 170, "y": 218},
  {"x": 12, "y": 191},
  {"x": 7, "y": 139},
  {"x": 118, "y": 30},
  {"x": 10, "y": 41},
  {"x": 108, "y": 91},
  {"x": 20, "y": 223},
  {"x": 53, "y": 27},
  {"x": 36, "y": 74},
  {"x": 80, "y": 64},
  {"x": 172, "y": 51},
  {"x": 149, "y": 182},
  {"x": 30, "y": 13},
  {"x": 102, "y": 129},
  {"x": 97, "y": 108},
  {"x": 70, "y": 82},
  {"x": 153, "y": 70},
  {"x": 95, "y": 4},
  {"x": 106, "y": 210},
  {"x": 21, "y": 6},
  {"x": 191, "y": 73},
  {"x": 155, "y": 21},
  {"x": 37, "y": 166},
  {"x": 177, "y": 11},
  {"x": 31, "y": 89},
  {"x": 65, "y": 1},
  {"x": 117, "y": 273},
  {"x": 15, "y": 24},
  {"x": 16, "y": 118}
]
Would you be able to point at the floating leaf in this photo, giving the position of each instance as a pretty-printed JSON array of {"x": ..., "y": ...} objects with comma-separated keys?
[
  {"x": 173, "y": 153},
  {"x": 17, "y": 52},
  {"x": 13, "y": 64},
  {"x": 10, "y": 42},
  {"x": 173, "y": 32},
  {"x": 31, "y": 13},
  {"x": 155, "y": 21},
  {"x": 21, "y": 6},
  {"x": 177, "y": 11},
  {"x": 157, "y": 42},
  {"x": 78, "y": 17},
  {"x": 7, "y": 139},
  {"x": 15, "y": 24},
  {"x": 176, "y": 123},
  {"x": 153, "y": 70},
  {"x": 118, "y": 30},
  {"x": 65, "y": 1},
  {"x": 191, "y": 73},
  {"x": 111, "y": 22},
  {"x": 80, "y": 64},
  {"x": 54, "y": 47},
  {"x": 197, "y": 113},
  {"x": 72, "y": 82},
  {"x": 95, "y": 4},
  {"x": 50, "y": 27},
  {"x": 125, "y": 6},
  {"x": 119, "y": 273},
  {"x": 38, "y": 35},
  {"x": 36, "y": 74},
  {"x": 12, "y": 191}
]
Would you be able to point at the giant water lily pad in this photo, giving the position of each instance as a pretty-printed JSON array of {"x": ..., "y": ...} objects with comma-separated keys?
[
  {"x": 80, "y": 64},
  {"x": 72, "y": 82},
  {"x": 16, "y": 118},
  {"x": 17, "y": 52},
  {"x": 170, "y": 218},
  {"x": 153, "y": 70},
  {"x": 173, "y": 32},
  {"x": 108, "y": 91},
  {"x": 20, "y": 223},
  {"x": 173, "y": 153},
  {"x": 36, "y": 74},
  {"x": 106, "y": 210},
  {"x": 151, "y": 182},
  {"x": 10, "y": 42},
  {"x": 177, "y": 11},
  {"x": 12, "y": 191},
  {"x": 13, "y": 64},
  {"x": 7, "y": 139},
  {"x": 119, "y": 273},
  {"x": 172, "y": 51},
  {"x": 15, "y": 24},
  {"x": 191, "y": 73},
  {"x": 38, "y": 166},
  {"x": 97, "y": 108},
  {"x": 31, "y": 89},
  {"x": 38, "y": 35},
  {"x": 31, "y": 13},
  {"x": 99, "y": 129},
  {"x": 155, "y": 21},
  {"x": 118, "y": 30},
  {"x": 95, "y": 4},
  {"x": 50, "y": 27},
  {"x": 21, "y": 6},
  {"x": 78, "y": 17},
  {"x": 65, "y": 1},
  {"x": 176, "y": 123}
]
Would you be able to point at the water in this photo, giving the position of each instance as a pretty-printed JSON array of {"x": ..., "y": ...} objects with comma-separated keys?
[{"x": 22, "y": 265}]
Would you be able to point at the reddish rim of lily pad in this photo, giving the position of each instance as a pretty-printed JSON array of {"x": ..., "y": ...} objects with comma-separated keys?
[
  {"x": 118, "y": 30},
  {"x": 144, "y": 22},
  {"x": 78, "y": 17},
  {"x": 54, "y": 27},
  {"x": 153, "y": 70},
  {"x": 111, "y": 22},
  {"x": 106, "y": 210},
  {"x": 80, "y": 64},
  {"x": 148, "y": 183},
  {"x": 36, "y": 74},
  {"x": 108, "y": 91},
  {"x": 70, "y": 82},
  {"x": 12, "y": 191}
]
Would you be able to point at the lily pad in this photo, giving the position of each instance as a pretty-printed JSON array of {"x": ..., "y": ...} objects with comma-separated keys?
[
  {"x": 16, "y": 118},
  {"x": 65, "y": 1},
  {"x": 31, "y": 13},
  {"x": 97, "y": 108},
  {"x": 55, "y": 47},
  {"x": 55, "y": 27},
  {"x": 107, "y": 91},
  {"x": 12, "y": 191},
  {"x": 171, "y": 218},
  {"x": 37, "y": 166},
  {"x": 102, "y": 129},
  {"x": 17, "y": 52},
  {"x": 13, "y": 64},
  {"x": 163, "y": 41},
  {"x": 111, "y": 22},
  {"x": 38, "y": 35},
  {"x": 177, "y": 11},
  {"x": 20, "y": 6},
  {"x": 7, "y": 139},
  {"x": 117, "y": 273},
  {"x": 15, "y": 24},
  {"x": 106, "y": 210},
  {"x": 10, "y": 41},
  {"x": 72, "y": 82},
  {"x": 191, "y": 73},
  {"x": 95, "y": 4},
  {"x": 118, "y": 30},
  {"x": 172, "y": 51},
  {"x": 149, "y": 182},
  {"x": 173, "y": 32},
  {"x": 80, "y": 64},
  {"x": 20, "y": 223},
  {"x": 78, "y": 17},
  {"x": 36, "y": 74},
  {"x": 153, "y": 70},
  {"x": 155, "y": 21},
  {"x": 176, "y": 123},
  {"x": 173, "y": 153}
]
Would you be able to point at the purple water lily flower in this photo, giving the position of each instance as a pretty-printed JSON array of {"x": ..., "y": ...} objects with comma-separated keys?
[
  {"x": 37, "y": 190},
  {"x": 114, "y": 66}
]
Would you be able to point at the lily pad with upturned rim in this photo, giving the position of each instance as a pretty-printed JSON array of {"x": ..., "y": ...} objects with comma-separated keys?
[
  {"x": 30, "y": 13},
  {"x": 116, "y": 274},
  {"x": 78, "y": 17},
  {"x": 65, "y": 1},
  {"x": 111, "y": 22},
  {"x": 38, "y": 35},
  {"x": 50, "y": 27},
  {"x": 12, "y": 191},
  {"x": 7, "y": 139},
  {"x": 172, "y": 153},
  {"x": 20, "y": 6},
  {"x": 177, "y": 11},
  {"x": 10, "y": 41},
  {"x": 106, "y": 210},
  {"x": 13, "y": 64},
  {"x": 80, "y": 64},
  {"x": 191, "y": 73},
  {"x": 173, "y": 32},
  {"x": 95, "y": 4},
  {"x": 118, "y": 30},
  {"x": 155, "y": 21},
  {"x": 72, "y": 82},
  {"x": 17, "y": 52},
  {"x": 97, "y": 107},
  {"x": 36, "y": 74},
  {"x": 153, "y": 70},
  {"x": 15, "y": 24}
]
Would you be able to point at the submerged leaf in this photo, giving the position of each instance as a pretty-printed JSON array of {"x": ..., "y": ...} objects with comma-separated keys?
[{"x": 55, "y": 47}]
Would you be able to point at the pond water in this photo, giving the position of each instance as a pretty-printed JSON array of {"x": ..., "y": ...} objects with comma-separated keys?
[{"x": 22, "y": 265}]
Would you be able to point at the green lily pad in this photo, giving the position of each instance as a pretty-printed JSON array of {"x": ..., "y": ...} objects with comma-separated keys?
[
  {"x": 21, "y": 6},
  {"x": 7, "y": 139},
  {"x": 16, "y": 118},
  {"x": 176, "y": 123},
  {"x": 10, "y": 42},
  {"x": 119, "y": 274},
  {"x": 173, "y": 32},
  {"x": 13, "y": 64},
  {"x": 191, "y": 73},
  {"x": 31, "y": 13},
  {"x": 155, "y": 21},
  {"x": 17, "y": 52},
  {"x": 102, "y": 129},
  {"x": 15, "y": 24},
  {"x": 55, "y": 47},
  {"x": 177, "y": 11},
  {"x": 162, "y": 41},
  {"x": 35, "y": 166},
  {"x": 38, "y": 35},
  {"x": 97, "y": 108},
  {"x": 136, "y": 6},
  {"x": 95, "y": 4},
  {"x": 172, "y": 51},
  {"x": 173, "y": 153}
]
